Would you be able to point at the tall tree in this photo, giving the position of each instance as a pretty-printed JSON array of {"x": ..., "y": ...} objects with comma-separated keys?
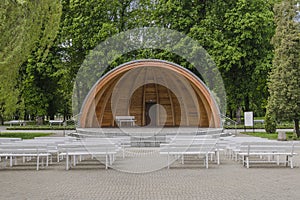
[
  {"x": 23, "y": 23},
  {"x": 284, "y": 80},
  {"x": 180, "y": 15},
  {"x": 83, "y": 28},
  {"x": 235, "y": 32},
  {"x": 237, "y": 35}
]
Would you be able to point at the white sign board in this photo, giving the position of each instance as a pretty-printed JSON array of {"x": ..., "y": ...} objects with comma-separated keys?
[{"x": 248, "y": 117}]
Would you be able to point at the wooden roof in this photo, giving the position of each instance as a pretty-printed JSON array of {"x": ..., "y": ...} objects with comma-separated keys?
[{"x": 178, "y": 96}]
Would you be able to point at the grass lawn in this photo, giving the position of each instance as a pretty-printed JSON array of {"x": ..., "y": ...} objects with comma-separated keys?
[
  {"x": 271, "y": 136},
  {"x": 24, "y": 135},
  {"x": 281, "y": 125},
  {"x": 260, "y": 126}
]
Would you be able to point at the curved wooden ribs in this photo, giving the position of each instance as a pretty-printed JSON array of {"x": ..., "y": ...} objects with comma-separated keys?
[{"x": 126, "y": 91}]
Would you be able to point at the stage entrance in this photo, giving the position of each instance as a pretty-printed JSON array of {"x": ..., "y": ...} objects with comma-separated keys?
[{"x": 150, "y": 114}]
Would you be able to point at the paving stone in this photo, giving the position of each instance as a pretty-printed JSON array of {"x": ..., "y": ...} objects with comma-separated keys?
[{"x": 230, "y": 180}]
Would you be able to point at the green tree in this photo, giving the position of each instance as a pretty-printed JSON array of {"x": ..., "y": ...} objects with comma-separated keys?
[
  {"x": 23, "y": 23},
  {"x": 237, "y": 35},
  {"x": 180, "y": 15},
  {"x": 284, "y": 80},
  {"x": 39, "y": 86},
  {"x": 83, "y": 28},
  {"x": 83, "y": 25},
  {"x": 270, "y": 122}
]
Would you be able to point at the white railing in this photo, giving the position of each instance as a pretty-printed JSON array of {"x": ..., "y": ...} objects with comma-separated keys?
[{"x": 228, "y": 121}]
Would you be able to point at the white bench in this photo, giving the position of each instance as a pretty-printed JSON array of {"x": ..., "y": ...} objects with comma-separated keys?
[
  {"x": 52, "y": 143},
  {"x": 55, "y": 141},
  {"x": 147, "y": 141},
  {"x": 261, "y": 121},
  {"x": 24, "y": 150},
  {"x": 205, "y": 149},
  {"x": 79, "y": 149},
  {"x": 266, "y": 152},
  {"x": 120, "y": 142},
  {"x": 9, "y": 140},
  {"x": 234, "y": 143},
  {"x": 59, "y": 122},
  {"x": 12, "y": 122},
  {"x": 171, "y": 138},
  {"x": 125, "y": 120}
]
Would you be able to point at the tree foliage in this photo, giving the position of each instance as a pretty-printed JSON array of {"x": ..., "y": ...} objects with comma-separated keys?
[
  {"x": 24, "y": 25},
  {"x": 270, "y": 122},
  {"x": 236, "y": 33},
  {"x": 284, "y": 80}
]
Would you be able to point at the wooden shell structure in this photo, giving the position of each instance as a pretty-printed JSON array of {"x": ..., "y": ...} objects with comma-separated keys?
[{"x": 155, "y": 92}]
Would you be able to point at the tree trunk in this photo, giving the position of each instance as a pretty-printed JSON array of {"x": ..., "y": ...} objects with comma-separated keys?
[
  {"x": 1, "y": 120},
  {"x": 247, "y": 104},
  {"x": 297, "y": 127},
  {"x": 230, "y": 113},
  {"x": 238, "y": 115},
  {"x": 40, "y": 120},
  {"x": 51, "y": 117}
]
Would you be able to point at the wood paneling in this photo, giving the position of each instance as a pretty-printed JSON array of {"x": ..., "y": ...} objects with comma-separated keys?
[{"x": 183, "y": 99}]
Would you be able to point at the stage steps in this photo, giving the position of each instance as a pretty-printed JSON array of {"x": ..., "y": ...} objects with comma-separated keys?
[{"x": 145, "y": 137}]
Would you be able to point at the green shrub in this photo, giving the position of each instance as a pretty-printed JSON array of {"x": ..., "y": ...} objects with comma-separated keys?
[{"x": 270, "y": 123}]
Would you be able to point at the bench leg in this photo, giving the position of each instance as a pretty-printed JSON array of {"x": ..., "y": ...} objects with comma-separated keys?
[
  {"x": 10, "y": 161},
  {"x": 113, "y": 158},
  {"x": 291, "y": 161},
  {"x": 42, "y": 164},
  {"x": 247, "y": 161},
  {"x": 243, "y": 158},
  {"x": 5, "y": 162},
  {"x": 218, "y": 157},
  {"x": 67, "y": 162},
  {"x": 206, "y": 161},
  {"x": 106, "y": 161},
  {"x": 168, "y": 161},
  {"x": 74, "y": 160},
  {"x": 37, "y": 162}
]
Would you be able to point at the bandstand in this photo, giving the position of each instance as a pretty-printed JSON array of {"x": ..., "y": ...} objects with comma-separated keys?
[{"x": 178, "y": 98}]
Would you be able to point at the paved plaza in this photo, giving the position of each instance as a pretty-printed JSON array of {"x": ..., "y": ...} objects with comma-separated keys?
[
  {"x": 230, "y": 180},
  {"x": 90, "y": 180}
]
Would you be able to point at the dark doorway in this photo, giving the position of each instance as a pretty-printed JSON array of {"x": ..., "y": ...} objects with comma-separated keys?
[{"x": 150, "y": 114}]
